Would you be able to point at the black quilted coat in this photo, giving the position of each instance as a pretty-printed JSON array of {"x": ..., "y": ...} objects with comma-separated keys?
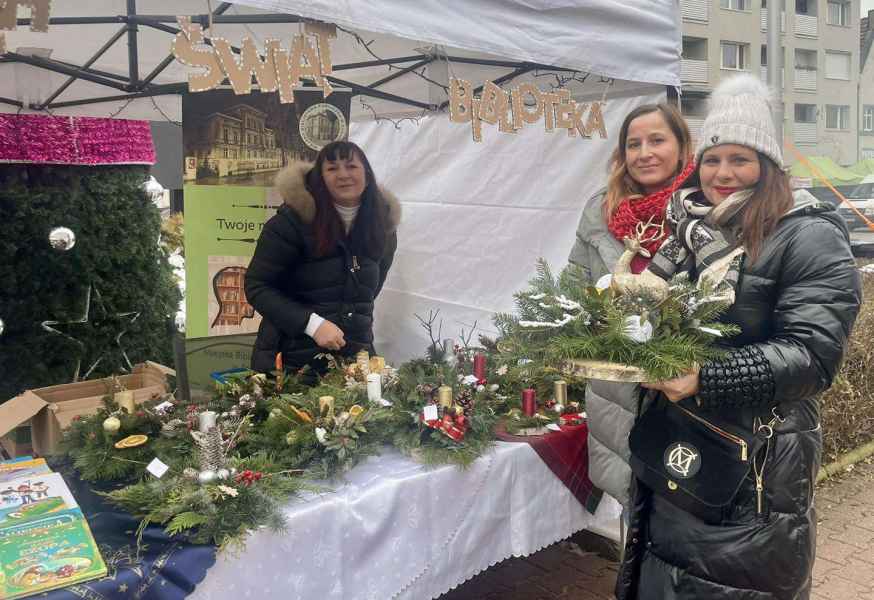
[
  {"x": 795, "y": 306},
  {"x": 286, "y": 282}
]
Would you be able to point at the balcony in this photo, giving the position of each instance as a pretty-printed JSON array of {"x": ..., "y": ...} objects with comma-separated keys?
[
  {"x": 695, "y": 10},
  {"x": 695, "y": 124},
  {"x": 764, "y": 20},
  {"x": 763, "y": 73},
  {"x": 805, "y": 80},
  {"x": 693, "y": 71},
  {"x": 804, "y": 133},
  {"x": 806, "y": 25}
]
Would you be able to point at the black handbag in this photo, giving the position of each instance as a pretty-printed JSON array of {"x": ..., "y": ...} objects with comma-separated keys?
[{"x": 695, "y": 462}]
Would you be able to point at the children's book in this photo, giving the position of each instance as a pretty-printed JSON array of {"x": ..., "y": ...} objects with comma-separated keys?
[
  {"x": 14, "y": 469},
  {"x": 33, "y": 496},
  {"x": 51, "y": 551}
]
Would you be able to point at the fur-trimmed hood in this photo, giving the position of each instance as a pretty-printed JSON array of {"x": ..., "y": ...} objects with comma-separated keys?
[{"x": 291, "y": 183}]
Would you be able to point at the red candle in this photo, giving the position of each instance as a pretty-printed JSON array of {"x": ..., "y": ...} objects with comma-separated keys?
[
  {"x": 529, "y": 402},
  {"x": 479, "y": 366}
]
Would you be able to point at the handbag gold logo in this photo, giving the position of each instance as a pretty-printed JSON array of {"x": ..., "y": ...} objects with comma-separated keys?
[{"x": 682, "y": 459}]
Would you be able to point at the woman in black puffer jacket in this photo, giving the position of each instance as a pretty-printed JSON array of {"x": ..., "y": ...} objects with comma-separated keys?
[
  {"x": 321, "y": 260},
  {"x": 796, "y": 293}
]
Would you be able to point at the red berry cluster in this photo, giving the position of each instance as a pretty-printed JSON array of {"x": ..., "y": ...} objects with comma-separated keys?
[{"x": 248, "y": 477}]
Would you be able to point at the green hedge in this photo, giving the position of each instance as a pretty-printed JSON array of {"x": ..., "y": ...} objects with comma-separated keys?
[{"x": 116, "y": 251}]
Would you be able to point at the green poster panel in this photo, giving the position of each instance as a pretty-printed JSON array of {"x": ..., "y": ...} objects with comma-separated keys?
[{"x": 222, "y": 225}]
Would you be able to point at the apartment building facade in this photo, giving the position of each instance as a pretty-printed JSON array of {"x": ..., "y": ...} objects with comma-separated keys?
[
  {"x": 866, "y": 87},
  {"x": 819, "y": 70}
]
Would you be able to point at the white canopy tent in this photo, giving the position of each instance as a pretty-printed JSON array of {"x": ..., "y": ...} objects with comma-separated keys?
[{"x": 477, "y": 215}]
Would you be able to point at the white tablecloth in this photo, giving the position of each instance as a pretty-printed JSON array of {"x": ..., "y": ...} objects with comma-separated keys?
[{"x": 396, "y": 529}]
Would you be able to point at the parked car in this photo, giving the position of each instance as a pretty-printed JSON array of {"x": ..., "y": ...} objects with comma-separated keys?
[{"x": 860, "y": 196}]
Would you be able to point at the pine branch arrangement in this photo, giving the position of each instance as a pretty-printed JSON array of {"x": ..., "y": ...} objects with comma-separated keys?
[{"x": 564, "y": 318}]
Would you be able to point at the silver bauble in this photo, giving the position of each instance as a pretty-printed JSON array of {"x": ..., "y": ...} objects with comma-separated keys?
[
  {"x": 62, "y": 238},
  {"x": 2, "y": 326},
  {"x": 206, "y": 476},
  {"x": 223, "y": 473}
]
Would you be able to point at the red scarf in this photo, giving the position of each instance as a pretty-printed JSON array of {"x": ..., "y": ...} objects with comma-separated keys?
[{"x": 631, "y": 211}]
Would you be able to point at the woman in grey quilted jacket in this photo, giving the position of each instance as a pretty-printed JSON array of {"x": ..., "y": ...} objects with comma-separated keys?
[{"x": 652, "y": 159}]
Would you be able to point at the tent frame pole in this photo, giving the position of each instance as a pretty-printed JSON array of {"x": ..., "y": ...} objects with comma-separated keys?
[{"x": 145, "y": 88}]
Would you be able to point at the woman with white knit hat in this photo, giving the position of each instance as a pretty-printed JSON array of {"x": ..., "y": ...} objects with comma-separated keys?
[{"x": 726, "y": 511}]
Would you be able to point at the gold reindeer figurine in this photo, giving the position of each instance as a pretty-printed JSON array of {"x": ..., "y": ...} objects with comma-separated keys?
[{"x": 627, "y": 283}]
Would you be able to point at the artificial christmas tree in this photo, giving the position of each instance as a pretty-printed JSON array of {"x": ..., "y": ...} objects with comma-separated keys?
[{"x": 92, "y": 298}]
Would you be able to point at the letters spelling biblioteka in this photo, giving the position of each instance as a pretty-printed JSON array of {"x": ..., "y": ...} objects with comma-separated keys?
[{"x": 509, "y": 112}]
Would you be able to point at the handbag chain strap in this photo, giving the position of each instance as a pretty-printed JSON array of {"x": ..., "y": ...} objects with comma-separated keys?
[{"x": 766, "y": 430}]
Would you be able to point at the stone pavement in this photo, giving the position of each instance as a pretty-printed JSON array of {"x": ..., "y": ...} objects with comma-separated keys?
[
  {"x": 844, "y": 568},
  {"x": 580, "y": 568}
]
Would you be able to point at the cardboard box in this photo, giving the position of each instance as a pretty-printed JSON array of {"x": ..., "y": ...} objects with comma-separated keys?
[
  {"x": 17, "y": 442},
  {"x": 51, "y": 409}
]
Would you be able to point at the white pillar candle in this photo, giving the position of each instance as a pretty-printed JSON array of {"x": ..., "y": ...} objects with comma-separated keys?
[
  {"x": 374, "y": 387},
  {"x": 205, "y": 420}
]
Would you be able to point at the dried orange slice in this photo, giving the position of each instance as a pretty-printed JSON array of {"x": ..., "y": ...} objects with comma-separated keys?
[
  {"x": 302, "y": 414},
  {"x": 132, "y": 441}
]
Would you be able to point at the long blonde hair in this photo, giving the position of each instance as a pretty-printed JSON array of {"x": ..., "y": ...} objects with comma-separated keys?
[{"x": 620, "y": 184}]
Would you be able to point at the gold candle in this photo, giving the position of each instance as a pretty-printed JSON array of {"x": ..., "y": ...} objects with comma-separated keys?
[
  {"x": 560, "y": 392},
  {"x": 444, "y": 396},
  {"x": 362, "y": 359},
  {"x": 125, "y": 400},
  {"x": 326, "y": 406},
  {"x": 377, "y": 364}
]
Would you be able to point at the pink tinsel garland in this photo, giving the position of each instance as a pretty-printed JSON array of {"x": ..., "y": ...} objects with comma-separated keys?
[{"x": 45, "y": 139}]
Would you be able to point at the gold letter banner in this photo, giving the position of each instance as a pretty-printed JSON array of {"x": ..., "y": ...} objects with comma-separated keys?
[
  {"x": 510, "y": 113},
  {"x": 279, "y": 69}
]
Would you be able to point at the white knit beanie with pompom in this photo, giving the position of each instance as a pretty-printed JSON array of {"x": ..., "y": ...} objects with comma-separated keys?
[{"x": 740, "y": 113}]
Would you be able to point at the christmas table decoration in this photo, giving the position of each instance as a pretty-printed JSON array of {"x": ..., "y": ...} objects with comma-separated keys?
[{"x": 625, "y": 331}]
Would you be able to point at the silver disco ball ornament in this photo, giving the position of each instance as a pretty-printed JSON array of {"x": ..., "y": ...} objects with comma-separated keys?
[{"x": 62, "y": 238}]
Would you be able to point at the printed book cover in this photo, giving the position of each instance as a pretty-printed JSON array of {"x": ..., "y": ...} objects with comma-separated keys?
[
  {"x": 15, "y": 469},
  {"x": 33, "y": 496},
  {"x": 55, "y": 550}
]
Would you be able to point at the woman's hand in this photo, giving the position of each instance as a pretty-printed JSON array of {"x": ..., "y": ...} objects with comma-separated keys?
[
  {"x": 329, "y": 336},
  {"x": 677, "y": 389}
]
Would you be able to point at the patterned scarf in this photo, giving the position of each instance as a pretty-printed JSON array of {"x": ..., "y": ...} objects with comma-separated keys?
[
  {"x": 645, "y": 211},
  {"x": 705, "y": 240}
]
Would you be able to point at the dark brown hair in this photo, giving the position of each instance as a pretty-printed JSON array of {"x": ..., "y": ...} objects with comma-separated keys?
[
  {"x": 368, "y": 231},
  {"x": 771, "y": 200},
  {"x": 620, "y": 184}
]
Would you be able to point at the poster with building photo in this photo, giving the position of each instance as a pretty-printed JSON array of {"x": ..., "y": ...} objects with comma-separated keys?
[
  {"x": 233, "y": 146},
  {"x": 244, "y": 140}
]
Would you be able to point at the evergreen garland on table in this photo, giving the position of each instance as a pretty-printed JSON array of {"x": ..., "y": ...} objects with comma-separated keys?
[
  {"x": 271, "y": 436},
  {"x": 220, "y": 513},
  {"x": 416, "y": 386},
  {"x": 93, "y": 450}
]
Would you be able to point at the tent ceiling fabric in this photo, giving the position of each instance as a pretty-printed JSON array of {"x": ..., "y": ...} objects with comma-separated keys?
[
  {"x": 624, "y": 39},
  {"x": 611, "y": 38}
]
